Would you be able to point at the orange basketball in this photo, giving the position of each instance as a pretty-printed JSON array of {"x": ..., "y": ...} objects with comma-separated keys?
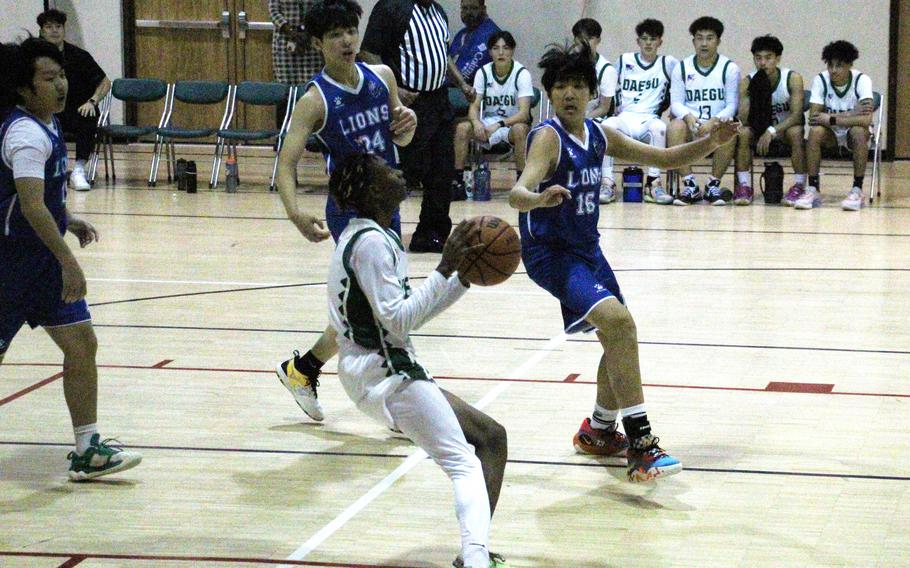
[{"x": 500, "y": 256}]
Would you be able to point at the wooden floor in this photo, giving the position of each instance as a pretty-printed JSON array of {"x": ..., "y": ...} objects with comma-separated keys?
[{"x": 775, "y": 348}]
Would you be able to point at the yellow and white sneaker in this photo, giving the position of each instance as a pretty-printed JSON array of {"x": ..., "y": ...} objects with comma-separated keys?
[{"x": 301, "y": 387}]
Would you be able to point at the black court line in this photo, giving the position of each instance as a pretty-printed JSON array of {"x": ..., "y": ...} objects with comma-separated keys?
[
  {"x": 604, "y": 228},
  {"x": 597, "y": 464},
  {"x": 312, "y": 284},
  {"x": 508, "y": 338}
]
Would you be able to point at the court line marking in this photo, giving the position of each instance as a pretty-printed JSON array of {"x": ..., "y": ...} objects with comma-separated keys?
[
  {"x": 617, "y": 463},
  {"x": 31, "y": 388},
  {"x": 202, "y": 282},
  {"x": 165, "y": 365},
  {"x": 81, "y": 556},
  {"x": 414, "y": 459}
]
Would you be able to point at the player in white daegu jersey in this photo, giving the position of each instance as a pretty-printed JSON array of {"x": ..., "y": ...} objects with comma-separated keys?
[
  {"x": 704, "y": 89},
  {"x": 556, "y": 197},
  {"x": 589, "y": 31},
  {"x": 642, "y": 93},
  {"x": 501, "y": 112},
  {"x": 374, "y": 309},
  {"x": 840, "y": 115},
  {"x": 778, "y": 94}
]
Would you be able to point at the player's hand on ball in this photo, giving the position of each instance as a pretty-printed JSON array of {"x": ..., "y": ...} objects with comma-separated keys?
[
  {"x": 403, "y": 120},
  {"x": 310, "y": 227},
  {"x": 553, "y": 196},
  {"x": 463, "y": 240},
  {"x": 724, "y": 131}
]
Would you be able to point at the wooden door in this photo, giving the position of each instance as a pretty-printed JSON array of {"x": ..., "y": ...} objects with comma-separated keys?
[
  {"x": 181, "y": 40},
  {"x": 902, "y": 110},
  {"x": 254, "y": 58}
]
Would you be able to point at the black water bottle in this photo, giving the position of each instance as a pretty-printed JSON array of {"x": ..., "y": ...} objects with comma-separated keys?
[
  {"x": 180, "y": 174},
  {"x": 773, "y": 183},
  {"x": 190, "y": 177}
]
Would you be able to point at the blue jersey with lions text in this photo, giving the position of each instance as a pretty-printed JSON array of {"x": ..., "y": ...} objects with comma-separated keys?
[{"x": 578, "y": 169}]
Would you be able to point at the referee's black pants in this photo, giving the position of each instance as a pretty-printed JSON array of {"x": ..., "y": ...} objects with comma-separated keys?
[
  {"x": 430, "y": 159},
  {"x": 80, "y": 129}
]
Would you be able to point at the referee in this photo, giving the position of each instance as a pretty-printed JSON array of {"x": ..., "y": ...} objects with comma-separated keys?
[{"x": 411, "y": 37}]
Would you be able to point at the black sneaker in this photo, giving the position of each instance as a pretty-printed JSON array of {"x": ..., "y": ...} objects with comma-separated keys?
[
  {"x": 691, "y": 193},
  {"x": 459, "y": 192},
  {"x": 714, "y": 193}
]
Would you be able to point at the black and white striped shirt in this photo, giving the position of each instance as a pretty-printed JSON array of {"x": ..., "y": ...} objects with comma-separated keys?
[{"x": 412, "y": 40}]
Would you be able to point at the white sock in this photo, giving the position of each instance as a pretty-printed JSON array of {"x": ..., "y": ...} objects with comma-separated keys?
[
  {"x": 636, "y": 410},
  {"x": 743, "y": 177},
  {"x": 603, "y": 418},
  {"x": 800, "y": 179},
  {"x": 608, "y": 169},
  {"x": 84, "y": 437}
]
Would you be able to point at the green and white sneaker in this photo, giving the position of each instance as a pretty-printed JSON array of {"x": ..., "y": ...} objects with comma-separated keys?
[
  {"x": 496, "y": 561},
  {"x": 101, "y": 458}
]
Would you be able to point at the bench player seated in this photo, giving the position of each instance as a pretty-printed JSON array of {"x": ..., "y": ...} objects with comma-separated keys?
[
  {"x": 770, "y": 93},
  {"x": 704, "y": 89},
  {"x": 642, "y": 91},
  {"x": 501, "y": 112},
  {"x": 840, "y": 116}
]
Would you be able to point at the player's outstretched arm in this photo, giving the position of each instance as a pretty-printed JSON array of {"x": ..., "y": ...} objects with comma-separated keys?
[
  {"x": 308, "y": 114},
  {"x": 404, "y": 120},
  {"x": 626, "y": 148},
  {"x": 541, "y": 162}
]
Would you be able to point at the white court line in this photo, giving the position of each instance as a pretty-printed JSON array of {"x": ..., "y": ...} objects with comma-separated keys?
[
  {"x": 416, "y": 458},
  {"x": 206, "y": 282}
]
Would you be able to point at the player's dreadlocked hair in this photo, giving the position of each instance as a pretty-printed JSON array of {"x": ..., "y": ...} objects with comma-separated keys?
[
  {"x": 328, "y": 15},
  {"x": 565, "y": 63},
  {"x": 351, "y": 180}
]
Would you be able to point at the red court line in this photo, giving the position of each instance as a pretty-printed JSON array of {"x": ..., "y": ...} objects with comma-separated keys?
[
  {"x": 571, "y": 378},
  {"x": 508, "y": 380},
  {"x": 168, "y": 558},
  {"x": 72, "y": 562},
  {"x": 27, "y": 390},
  {"x": 814, "y": 388},
  {"x": 161, "y": 364}
]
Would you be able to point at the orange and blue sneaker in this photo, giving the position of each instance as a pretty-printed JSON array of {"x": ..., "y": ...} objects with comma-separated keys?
[
  {"x": 301, "y": 387},
  {"x": 590, "y": 440},
  {"x": 648, "y": 461},
  {"x": 101, "y": 458}
]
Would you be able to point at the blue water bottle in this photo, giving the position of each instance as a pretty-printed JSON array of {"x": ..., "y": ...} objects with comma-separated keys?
[
  {"x": 632, "y": 184},
  {"x": 482, "y": 181}
]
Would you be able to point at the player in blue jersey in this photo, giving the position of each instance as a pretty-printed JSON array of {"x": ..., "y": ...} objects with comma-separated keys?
[
  {"x": 41, "y": 282},
  {"x": 351, "y": 108},
  {"x": 557, "y": 196}
]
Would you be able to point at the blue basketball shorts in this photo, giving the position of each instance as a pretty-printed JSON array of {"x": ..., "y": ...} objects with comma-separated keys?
[
  {"x": 31, "y": 283},
  {"x": 337, "y": 220},
  {"x": 579, "y": 278}
]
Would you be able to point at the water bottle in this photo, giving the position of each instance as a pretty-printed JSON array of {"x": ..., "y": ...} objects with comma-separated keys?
[
  {"x": 482, "y": 181},
  {"x": 772, "y": 183},
  {"x": 232, "y": 177},
  {"x": 190, "y": 176},
  {"x": 632, "y": 183},
  {"x": 180, "y": 174}
]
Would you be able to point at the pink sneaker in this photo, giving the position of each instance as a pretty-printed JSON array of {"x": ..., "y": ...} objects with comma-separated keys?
[
  {"x": 742, "y": 195},
  {"x": 793, "y": 194}
]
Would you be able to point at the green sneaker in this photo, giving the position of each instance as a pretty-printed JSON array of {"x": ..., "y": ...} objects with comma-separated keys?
[
  {"x": 101, "y": 458},
  {"x": 496, "y": 561}
]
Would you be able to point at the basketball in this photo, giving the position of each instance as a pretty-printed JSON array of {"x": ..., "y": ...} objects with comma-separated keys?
[{"x": 499, "y": 257}]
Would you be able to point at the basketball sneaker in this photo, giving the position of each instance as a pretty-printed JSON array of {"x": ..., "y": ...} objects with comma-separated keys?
[
  {"x": 809, "y": 199},
  {"x": 607, "y": 191},
  {"x": 854, "y": 200},
  {"x": 302, "y": 387},
  {"x": 101, "y": 458},
  {"x": 648, "y": 461},
  {"x": 743, "y": 194},
  {"x": 714, "y": 193},
  {"x": 655, "y": 193},
  {"x": 78, "y": 181},
  {"x": 691, "y": 193},
  {"x": 459, "y": 190},
  {"x": 793, "y": 194},
  {"x": 496, "y": 561},
  {"x": 590, "y": 440}
]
